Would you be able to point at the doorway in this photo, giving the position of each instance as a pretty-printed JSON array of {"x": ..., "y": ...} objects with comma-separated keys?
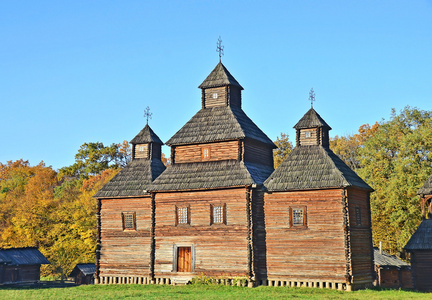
[{"x": 184, "y": 259}]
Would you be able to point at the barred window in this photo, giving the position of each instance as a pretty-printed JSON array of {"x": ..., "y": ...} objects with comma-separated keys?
[
  {"x": 129, "y": 221},
  {"x": 218, "y": 214},
  {"x": 358, "y": 216},
  {"x": 183, "y": 215},
  {"x": 297, "y": 216}
]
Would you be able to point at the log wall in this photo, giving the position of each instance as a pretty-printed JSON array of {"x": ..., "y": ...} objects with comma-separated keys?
[
  {"x": 218, "y": 151},
  {"x": 421, "y": 267},
  {"x": 257, "y": 152},
  {"x": 125, "y": 252},
  {"x": 141, "y": 154},
  {"x": 218, "y": 249},
  {"x": 315, "y": 252},
  {"x": 221, "y": 97},
  {"x": 360, "y": 236}
]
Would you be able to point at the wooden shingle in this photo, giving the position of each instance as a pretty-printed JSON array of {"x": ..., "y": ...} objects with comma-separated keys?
[
  {"x": 422, "y": 237},
  {"x": 311, "y": 119},
  {"x": 220, "y": 76}
]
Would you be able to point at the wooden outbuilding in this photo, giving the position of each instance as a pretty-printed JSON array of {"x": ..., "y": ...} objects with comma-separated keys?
[
  {"x": 420, "y": 243},
  {"x": 220, "y": 209},
  {"x": 20, "y": 265},
  {"x": 390, "y": 271},
  {"x": 83, "y": 273}
]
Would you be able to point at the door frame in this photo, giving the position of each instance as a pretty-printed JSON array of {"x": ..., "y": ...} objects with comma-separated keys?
[{"x": 175, "y": 257}]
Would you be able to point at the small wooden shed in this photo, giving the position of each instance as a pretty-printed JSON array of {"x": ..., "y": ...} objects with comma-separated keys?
[
  {"x": 390, "y": 271},
  {"x": 420, "y": 243},
  {"x": 83, "y": 273},
  {"x": 18, "y": 265}
]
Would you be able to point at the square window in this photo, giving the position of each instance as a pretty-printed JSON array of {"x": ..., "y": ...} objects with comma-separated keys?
[
  {"x": 183, "y": 215},
  {"x": 308, "y": 134},
  {"x": 297, "y": 217},
  {"x": 129, "y": 220}
]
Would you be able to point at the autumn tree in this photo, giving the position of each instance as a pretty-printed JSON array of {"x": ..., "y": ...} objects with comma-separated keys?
[
  {"x": 284, "y": 147},
  {"x": 92, "y": 158},
  {"x": 396, "y": 160}
]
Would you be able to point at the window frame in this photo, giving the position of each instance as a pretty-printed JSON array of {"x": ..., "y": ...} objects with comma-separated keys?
[
  {"x": 224, "y": 214},
  {"x": 123, "y": 214},
  {"x": 203, "y": 153},
  {"x": 291, "y": 217},
  {"x": 188, "y": 216},
  {"x": 358, "y": 216},
  {"x": 175, "y": 257}
]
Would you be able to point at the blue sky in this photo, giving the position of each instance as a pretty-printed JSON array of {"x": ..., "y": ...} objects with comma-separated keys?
[{"x": 84, "y": 71}]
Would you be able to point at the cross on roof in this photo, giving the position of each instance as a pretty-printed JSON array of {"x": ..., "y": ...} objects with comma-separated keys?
[
  {"x": 311, "y": 97},
  {"x": 219, "y": 48},
  {"x": 147, "y": 114}
]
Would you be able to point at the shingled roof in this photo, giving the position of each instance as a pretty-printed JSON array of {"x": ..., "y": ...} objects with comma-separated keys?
[
  {"x": 313, "y": 167},
  {"x": 311, "y": 119},
  {"x": 210, "y": 175},
  {"x": 133, "y": 179},
  {"x": 220, "y": 76},
  {"x": 146, "y": 135},
  {"x": 426, "y": 189},
  {"x": 422, "y": 237},
  {"x": 22, "y": 256},
  {"x": 218, "y": 124},
  {"x": 386, "y": 260}
]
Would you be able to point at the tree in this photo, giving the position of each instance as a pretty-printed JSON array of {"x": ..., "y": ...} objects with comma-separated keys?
[
  {"x": 92, "y": 158},
  {"x": 396, "y": 160},
  {"x": 284, "y": 147}
]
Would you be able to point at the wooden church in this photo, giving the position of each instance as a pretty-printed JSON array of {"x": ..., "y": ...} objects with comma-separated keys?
[{"x": 220, "y": 209}]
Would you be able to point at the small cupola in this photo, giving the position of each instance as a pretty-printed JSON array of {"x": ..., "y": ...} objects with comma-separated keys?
[
  {"x": 312, "y": 130},
  {"x": 146, "y": 145},
  {"x": 220, "y": 88}
]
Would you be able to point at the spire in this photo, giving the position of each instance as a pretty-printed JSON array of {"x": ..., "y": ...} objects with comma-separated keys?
[{"x": 312, "y": 130}]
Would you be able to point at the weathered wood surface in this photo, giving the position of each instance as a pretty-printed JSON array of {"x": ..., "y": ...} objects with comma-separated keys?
[
  {"x": 316, "y": 252},
  {"x": 218, "y": 249},
  {"x": 257, "y": 152},
  {"x": 218, "y": 151},
  {"x": 421, "y": 266},
  {"x": 125, "y": 252}
]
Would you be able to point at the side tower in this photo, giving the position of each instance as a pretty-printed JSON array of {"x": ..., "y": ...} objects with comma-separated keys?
[
  {"x": 420, "y": 243},
  {"x": 203, "y": 201},
  {"x": 124, "y": 212},
  {"x": 317, "y": 215}
]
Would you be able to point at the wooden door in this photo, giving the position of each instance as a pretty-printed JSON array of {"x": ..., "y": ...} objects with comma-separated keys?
[{"x": 184, "y": 259}]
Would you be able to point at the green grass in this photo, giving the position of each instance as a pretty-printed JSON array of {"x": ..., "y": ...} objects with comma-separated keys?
[{"x": 198, "y": 292}]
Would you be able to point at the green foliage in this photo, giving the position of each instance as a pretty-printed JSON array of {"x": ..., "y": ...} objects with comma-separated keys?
[
  {"x": 396, "y": 161},
  {"x": 284, "y": 147},
  {"x": 92, "y": 158}
]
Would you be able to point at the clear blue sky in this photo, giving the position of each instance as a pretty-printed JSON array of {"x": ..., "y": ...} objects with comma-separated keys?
[{"x": 83, "y": 71}]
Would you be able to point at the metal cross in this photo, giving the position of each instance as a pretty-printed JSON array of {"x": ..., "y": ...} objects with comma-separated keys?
[
  {"x": 220, "y": 48},
  {"x": 311, "y": 97},
  {"x": 147, "y": 114}
]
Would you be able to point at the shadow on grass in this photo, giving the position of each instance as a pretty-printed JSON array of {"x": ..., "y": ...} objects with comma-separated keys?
[{"x": 38, "y": 285}]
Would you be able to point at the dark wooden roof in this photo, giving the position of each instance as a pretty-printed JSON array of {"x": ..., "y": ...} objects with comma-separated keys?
[
  {"x": 313, "y": 167},
  {"x": 132, "y": 180},
  {"x": 86, "y": 269},
  {"x": 218, "y": 124},
  {"x": 146, "y": 135},
  {"x": 311, "y": 119},
  {"x": 22, "y": 256},
  {"x": 220, "y": 76},
  {"x": 422, "y": 237},
  {"x": 386, "y": 260},
  {"x": 426, "y": 189},
  {"x": 210, "y": 175}
]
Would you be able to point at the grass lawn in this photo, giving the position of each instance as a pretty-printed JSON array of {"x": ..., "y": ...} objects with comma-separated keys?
[{"x": 197, "y": 292}]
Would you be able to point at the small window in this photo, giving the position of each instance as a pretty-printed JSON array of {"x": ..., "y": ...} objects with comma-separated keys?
[
  {"x": 218, "y": 214},
  {"x": 205, "y": 153},
  {"x": 308, "y": 134},
  {"x": 183, "y": 215},
  {"x": 141, "y": 148},
  {"x": 358, "y": 216},
  {"x": 297, "y": 216},
  {"x": 129, "y": 220},
  {"x": 215, "y": 95}
]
